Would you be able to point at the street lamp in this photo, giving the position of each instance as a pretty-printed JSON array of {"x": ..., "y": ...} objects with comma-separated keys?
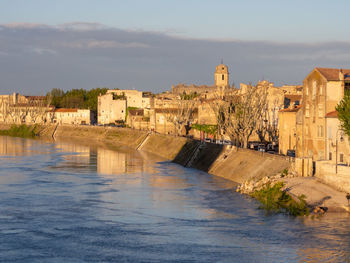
[{"x": 336, "y": 150}]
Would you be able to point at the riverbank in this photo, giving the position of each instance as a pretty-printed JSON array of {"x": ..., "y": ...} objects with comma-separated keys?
[{"x": 242, "y": 166}]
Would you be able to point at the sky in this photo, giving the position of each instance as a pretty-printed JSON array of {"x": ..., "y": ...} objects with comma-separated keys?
[{"x": 151, "y": 45}]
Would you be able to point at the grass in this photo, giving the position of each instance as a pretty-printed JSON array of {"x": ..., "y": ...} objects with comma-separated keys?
[
  {"x": 274, "y": 199},
  {"x": 23, "y": 131}
]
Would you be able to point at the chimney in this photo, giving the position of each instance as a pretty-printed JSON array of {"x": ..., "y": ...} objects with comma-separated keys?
[{"x": 341, "y": 74}]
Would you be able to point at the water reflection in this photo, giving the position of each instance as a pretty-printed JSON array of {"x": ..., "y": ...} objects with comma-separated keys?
[{"x": 71, "y": 202}]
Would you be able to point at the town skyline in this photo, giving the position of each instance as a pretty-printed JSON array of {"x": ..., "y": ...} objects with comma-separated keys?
[{"x": 134, "y": 45}]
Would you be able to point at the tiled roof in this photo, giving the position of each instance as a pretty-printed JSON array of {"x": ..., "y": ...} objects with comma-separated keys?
[
  {"x": 295, "y": 109},
  {"x": 65, "y": 110},
  {"x": 333, "y": 73},
  {"x": 293, "y": 98},
  {"x": 332, "y": 114}
]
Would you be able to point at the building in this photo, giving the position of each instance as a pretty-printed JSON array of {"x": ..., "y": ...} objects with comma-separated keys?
[
  {"x": 287, "y": 128},
  {"x": 337, "y": 143},
  {"x": 70, "y": 116},
  {"x": 114, "y": 105},
  {"x": 135, "y": 98},
  {"x": 221, "y": 85},
  {"x": 111, "y": 109},
  {"x": 323, "y": 90},
  {"x": 17, "y": 109}
]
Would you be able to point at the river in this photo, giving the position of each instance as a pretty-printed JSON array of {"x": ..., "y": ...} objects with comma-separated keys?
[{"x": 65, "y": 202}]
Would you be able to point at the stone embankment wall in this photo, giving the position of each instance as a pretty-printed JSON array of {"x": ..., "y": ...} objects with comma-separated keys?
[
  {"x": 326, "y": 172},
  {"x": 220, "y": 160}
]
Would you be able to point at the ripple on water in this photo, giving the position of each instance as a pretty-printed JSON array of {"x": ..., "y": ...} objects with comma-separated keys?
[{"x": 74, "y": 203}]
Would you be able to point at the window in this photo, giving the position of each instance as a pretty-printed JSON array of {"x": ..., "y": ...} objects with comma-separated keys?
[
  {"x": 320, "y": 111},
  {"x": 346, "y": 87},
  {"x": 341, "y": 159},
  {"x": 307, "y": 110},
  {"x": 329, "y": 132},
  {"x": 319, "y": 130},
  {"x": 314, "y": 86},
  {"x": 223, "y": 77},
  {"x": 330, "y": 156}
]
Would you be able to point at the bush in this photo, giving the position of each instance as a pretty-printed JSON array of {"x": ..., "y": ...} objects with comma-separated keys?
[
  {"x": 273, "y": 199},
  {"x": 20, "y": 131}
]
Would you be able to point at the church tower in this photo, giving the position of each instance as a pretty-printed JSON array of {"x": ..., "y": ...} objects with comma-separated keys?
[{"x": 221, "y": 76}]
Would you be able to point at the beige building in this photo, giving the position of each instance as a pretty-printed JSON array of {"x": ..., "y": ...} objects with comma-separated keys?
[
  {"x": 17, "y": 109},
  {"x": 337, "y": 143},
  {"x": 114, "y": 105},
  {"x": 135, "y": 98},
  {"x": 287, "y": 127},
  {"x": 323, "y": 90},
  {"x": 111, "y": 109},
  {"x": 70, "y": 116},
  {"x": 220, "y": 87}
]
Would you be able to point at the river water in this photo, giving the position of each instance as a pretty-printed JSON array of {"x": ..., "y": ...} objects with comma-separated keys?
[{"x": 64, "y": 202}]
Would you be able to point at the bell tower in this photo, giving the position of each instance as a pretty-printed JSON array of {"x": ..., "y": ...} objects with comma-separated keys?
[{"x": 221, "y": 76}]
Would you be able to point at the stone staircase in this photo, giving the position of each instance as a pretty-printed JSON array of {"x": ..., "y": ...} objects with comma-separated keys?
[
  {"x": 195, "y": 153},
  {"x": 139, "y": 147}
]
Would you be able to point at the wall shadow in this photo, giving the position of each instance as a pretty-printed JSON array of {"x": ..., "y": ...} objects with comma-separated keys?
[{"x": 205, "y": 155}]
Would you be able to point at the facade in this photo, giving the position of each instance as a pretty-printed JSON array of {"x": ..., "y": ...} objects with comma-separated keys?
[
  {"x": 221, "y": 85},
  {"x": 110, "y": 109},
  {"x": 323, "y": 90},
  {"x": 287, "y": 127},
  {"x": 18, "y": 109},
  {"x": 70, "y": 116},
  {"x": 337, "y": 143},
  {"x": 114, "y": 105},
  {"x": 135, "y": 98}
]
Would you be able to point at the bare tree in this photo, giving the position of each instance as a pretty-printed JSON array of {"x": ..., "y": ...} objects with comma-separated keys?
[
  {"x": 240, "y": 113},
  {"x": 180, "y": 114}
]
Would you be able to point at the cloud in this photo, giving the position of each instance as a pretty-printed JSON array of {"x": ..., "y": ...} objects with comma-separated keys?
[
  {"x": 87, "y": 55},
  {"x": 102, "y": 44},
  {"x": 43, "y": 51},
  {"x": 81, "y": 26},
  {"x": 25, "y": 26}
]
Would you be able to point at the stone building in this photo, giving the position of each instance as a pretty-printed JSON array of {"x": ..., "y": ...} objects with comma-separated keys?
[
  {"x": 221, "y": 85},
  {"x": 287, "y": 127},
  {"x": 18, "y": 109},
  {"x": 114, "y": 105},
  {"x": 71, "y": 116},
  {"x": 323, "y": 89},
  {"x": 111, "y": 109},
  {"x": 337, "y": 142},
  {"x": 135, "y": 98}
]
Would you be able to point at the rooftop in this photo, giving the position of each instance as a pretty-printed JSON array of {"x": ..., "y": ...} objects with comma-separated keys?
[
  {"x": 333, "y": 73},
  {"x": 332, "y": 114}
]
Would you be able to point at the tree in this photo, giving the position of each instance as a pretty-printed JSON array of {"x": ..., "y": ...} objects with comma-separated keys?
[
  {"x": 180, "y": 114},
  {"x": 343, "y": 109},
  {"x": 240, "y": 113}
]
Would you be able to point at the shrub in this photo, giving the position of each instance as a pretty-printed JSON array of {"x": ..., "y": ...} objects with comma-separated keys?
[
  {"x": 273, "y": 199},
  {"x": 20, "y": 131}
]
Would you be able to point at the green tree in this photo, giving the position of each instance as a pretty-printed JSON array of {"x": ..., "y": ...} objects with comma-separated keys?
[{"x": 343, "y": 109}]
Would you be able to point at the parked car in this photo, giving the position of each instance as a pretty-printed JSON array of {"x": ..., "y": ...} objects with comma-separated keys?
[
  {"x": 227, "y": 142},
  {"x": 291, "y": 153},
  {"x": 208, "y": 140},
  {"x": 219, "y": 141},
  {"x": 261, "y": 148},
  {"x": 253, "y": 145}
]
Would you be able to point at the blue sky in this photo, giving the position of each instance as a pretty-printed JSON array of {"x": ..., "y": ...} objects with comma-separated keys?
[
  {"x": 152, "y": 44},
  {"x": 275, "y": 20}
]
